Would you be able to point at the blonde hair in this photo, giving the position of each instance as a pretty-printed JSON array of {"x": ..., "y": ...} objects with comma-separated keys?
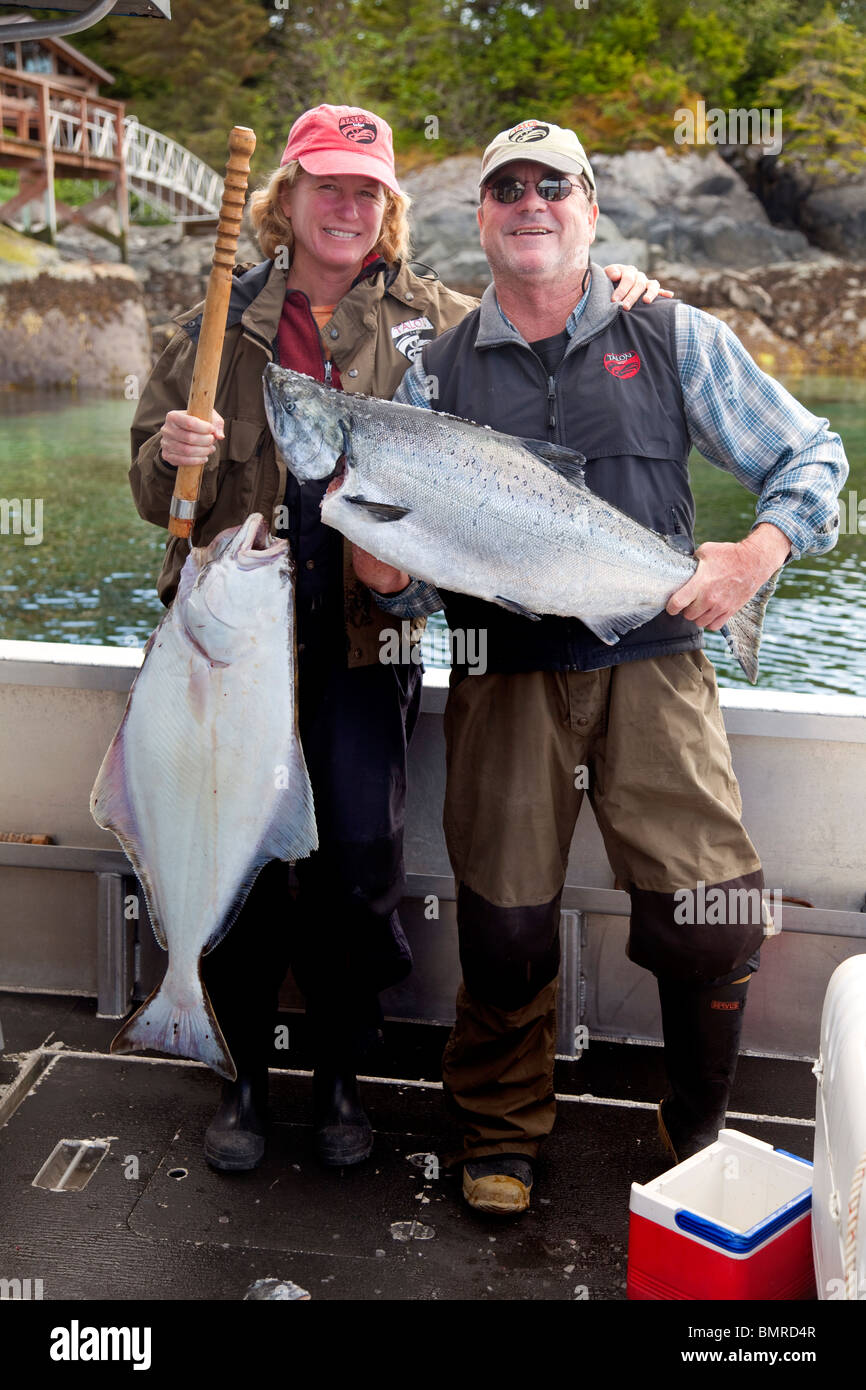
[{"x": 274, "y": 229}]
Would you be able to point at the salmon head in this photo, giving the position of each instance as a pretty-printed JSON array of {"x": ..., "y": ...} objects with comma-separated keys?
[{"x": 307, "y": 420}]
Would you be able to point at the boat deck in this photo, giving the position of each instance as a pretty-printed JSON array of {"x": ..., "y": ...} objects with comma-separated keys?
[{"x": 156, "y": 1223}]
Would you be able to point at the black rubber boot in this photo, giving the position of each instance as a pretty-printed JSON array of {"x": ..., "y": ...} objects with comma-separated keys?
[
  {"x": 702, "y": 1030},
  {"x": 343, "y": 1133},
  {"x": 235, "y": 1138},
  {"x": 242, "y": 976}
]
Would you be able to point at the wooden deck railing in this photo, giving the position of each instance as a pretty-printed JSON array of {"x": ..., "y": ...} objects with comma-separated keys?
[{"x": 37, "y": 111}]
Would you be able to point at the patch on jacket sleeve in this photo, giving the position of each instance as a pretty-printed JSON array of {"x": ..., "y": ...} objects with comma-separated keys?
[{"x": 410, "y": 337}]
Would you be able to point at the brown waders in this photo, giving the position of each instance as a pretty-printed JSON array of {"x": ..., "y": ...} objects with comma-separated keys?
[{"x": 658, "y": 773}]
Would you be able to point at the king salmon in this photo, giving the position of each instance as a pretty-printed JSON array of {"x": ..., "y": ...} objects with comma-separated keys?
[
  {"x": 472, "y": 510},
  {"x": 205, "y": 780}
]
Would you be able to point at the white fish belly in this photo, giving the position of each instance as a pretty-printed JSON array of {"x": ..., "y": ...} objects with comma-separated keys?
[{"x": 202, "y": 747}]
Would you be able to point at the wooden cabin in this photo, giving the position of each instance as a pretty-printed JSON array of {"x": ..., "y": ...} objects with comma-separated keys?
[
  {"x": 55, "y": 123},
  {"x": 53, "y": 58}
]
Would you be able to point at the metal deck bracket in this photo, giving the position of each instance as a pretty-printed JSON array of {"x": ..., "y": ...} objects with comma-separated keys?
[{"x": 71, "y": 1164}]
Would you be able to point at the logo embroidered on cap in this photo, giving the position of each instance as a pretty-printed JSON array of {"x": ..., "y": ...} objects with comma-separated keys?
[
  {"x": 358, "y": 128},
  {"x": 527, "y": 131},
  {"x": 622, "y": 364},
  {"x": 407, "y": 336}
]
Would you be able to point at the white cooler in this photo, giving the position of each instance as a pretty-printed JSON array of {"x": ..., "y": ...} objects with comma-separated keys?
[{"x": 839, "y": 1176}]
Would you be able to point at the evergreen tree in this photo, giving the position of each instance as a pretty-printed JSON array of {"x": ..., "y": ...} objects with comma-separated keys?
[
  {"x": 194, "y": 77},
  {"x": 822, "y": 94},
  {"x": 616, "y": 70},
  {"x": 316, "y": 46}
]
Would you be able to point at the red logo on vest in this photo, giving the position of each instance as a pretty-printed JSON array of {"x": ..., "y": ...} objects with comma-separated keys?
[{"x": 622, "y": 364}]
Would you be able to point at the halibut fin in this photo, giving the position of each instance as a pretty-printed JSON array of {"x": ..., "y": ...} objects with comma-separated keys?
[
  {"x": 189, "y": 1030},
  {"x": 291, "y": 835},
  {"x": 111, "y": 808}
]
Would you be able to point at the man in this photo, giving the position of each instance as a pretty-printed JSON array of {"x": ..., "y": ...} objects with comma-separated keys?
[{"x": 547, "y": 356}]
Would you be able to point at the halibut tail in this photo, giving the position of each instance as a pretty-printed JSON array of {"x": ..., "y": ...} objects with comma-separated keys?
[{"x": 188, "y": 1030}]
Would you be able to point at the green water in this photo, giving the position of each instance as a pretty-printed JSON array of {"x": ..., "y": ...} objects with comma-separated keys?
[{"x": 92, "y": 576}]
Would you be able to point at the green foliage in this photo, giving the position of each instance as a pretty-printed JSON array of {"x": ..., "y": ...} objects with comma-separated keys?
[
  {"x": 822, "y": 94},
  {"x": 196, "y": 76},
  {"x": 74, "y": 192},
  {"x": 617, "y": 69}
]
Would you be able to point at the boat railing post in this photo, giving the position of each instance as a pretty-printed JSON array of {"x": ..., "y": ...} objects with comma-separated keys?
[
  {"x": 115, "y": 956},
  {"x": 570, "y": 1004}
]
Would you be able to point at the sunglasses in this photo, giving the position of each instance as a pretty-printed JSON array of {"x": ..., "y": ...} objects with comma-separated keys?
[{"x": 551, "y": 189}]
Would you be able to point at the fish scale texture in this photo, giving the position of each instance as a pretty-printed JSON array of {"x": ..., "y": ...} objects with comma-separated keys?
[
  {"x": 473, "y": 511},
  {"x": 507, "y": 524}
]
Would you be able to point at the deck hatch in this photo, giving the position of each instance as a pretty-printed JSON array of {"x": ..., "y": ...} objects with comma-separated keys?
[{"x": 71, "y": 1164}]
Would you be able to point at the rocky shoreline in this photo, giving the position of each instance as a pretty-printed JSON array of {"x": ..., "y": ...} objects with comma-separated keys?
[
  {"x": 70, "y": 317},
  {"x": 68, "y": 323}
]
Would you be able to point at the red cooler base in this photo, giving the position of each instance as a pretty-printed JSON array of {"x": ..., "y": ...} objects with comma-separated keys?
[{"x": 665, "y": 1264}]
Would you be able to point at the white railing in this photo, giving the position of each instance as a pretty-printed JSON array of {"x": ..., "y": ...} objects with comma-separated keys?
[
  {"x": 167, "y": 176},
  {"x": 95, "y": 135},
  {"x": 161, "y": 172}
]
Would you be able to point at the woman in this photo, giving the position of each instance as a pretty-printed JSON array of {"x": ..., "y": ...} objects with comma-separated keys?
[{"x": 336, "y": 299}]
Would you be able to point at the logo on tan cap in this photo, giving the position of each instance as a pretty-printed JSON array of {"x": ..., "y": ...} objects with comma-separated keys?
[
  {"x": 552, "y": 146},
  {"x": 529, "y": 130}
]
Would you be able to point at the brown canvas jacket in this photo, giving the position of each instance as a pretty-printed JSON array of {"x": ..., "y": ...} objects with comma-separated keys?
[{"x": 246, "y": 473}]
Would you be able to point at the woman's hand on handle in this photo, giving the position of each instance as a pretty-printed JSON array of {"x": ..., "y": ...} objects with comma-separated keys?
[{"x": 187, "y": 441}]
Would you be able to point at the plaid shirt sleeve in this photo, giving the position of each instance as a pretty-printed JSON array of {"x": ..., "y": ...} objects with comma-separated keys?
[
  {"x": 418, "y": 599},
  {"x": 746, "y": 423},
  {"x": 412, "y": 389}
]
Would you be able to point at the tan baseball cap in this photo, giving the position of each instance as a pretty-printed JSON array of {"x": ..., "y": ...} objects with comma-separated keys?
[{"x": 539, "y": 141}]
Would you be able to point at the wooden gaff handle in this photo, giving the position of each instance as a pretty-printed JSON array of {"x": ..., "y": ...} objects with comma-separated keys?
[{"x": 242, "y": 143}]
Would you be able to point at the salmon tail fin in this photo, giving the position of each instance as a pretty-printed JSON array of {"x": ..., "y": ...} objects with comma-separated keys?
[
  {"x": 743, "y": 631},
  {"x": 188, "y": 1030}
]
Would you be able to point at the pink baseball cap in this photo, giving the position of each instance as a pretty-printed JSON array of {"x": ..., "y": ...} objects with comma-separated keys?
[{"x": 343, "y": 140}]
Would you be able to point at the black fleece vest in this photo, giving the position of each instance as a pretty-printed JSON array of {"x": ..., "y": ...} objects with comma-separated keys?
[{"x": 617, "y": 399}]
